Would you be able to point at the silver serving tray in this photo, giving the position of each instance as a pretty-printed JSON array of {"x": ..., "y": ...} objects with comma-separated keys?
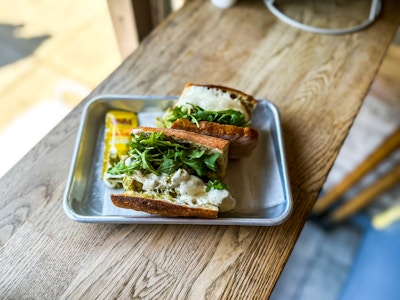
[{"x": 259, "y": 183}]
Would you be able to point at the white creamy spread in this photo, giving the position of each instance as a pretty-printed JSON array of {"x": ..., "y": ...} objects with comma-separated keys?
[
  {"x": 113, "y": 181},
  {"x": 211, "y": 99},
  {"x": 186, "y": 189}
]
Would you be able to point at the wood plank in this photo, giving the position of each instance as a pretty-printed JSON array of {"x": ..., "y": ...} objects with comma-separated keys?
[
  {"x": 125, "y": 25},
  {"x": 308, "y": 76}
]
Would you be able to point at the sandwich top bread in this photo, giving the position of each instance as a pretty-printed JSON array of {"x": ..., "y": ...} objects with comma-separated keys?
[
  {"x": 172, "y": 173},
  {"x": 216, "y": 111}
]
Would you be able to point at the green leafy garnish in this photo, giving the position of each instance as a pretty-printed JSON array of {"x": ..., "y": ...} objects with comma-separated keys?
[
  {"x": 215, "y": 184},
  {"x": 195, "y": 114},
  {"x": 156, "y": 154}
]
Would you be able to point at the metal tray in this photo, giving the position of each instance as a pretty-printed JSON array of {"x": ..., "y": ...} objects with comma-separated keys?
[{"x": 259, "y": 183}]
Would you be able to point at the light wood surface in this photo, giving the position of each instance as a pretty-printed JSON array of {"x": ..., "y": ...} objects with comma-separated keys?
[
  {"x": 125, "y": 25},
  {"x": 318, "y": 83}
]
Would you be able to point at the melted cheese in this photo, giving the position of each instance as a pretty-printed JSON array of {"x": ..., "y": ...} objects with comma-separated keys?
[
  {"x": 183, "y": 188},
  {"x": 211, "y": 99}
]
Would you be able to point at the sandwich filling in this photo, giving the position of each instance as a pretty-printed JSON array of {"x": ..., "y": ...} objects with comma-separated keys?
[
  {"x": 199, "y": 103},
  {"x": 158, "y": 167},
  {"x": 211, "y": 99},
  {"x": 179, "y": 187}
]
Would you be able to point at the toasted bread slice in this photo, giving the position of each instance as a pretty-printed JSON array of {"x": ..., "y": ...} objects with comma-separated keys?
[
  {"x": 162, "y": 207},
  {"x": 243, "y": 140}
]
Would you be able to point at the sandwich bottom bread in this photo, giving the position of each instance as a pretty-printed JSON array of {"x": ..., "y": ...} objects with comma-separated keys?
[
  {"x": 172, "y": 172},
  {"x": 217, "y": 111}
]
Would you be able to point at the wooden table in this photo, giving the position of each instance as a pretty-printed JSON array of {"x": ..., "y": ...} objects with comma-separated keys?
[{"x": 318, "y": 83}]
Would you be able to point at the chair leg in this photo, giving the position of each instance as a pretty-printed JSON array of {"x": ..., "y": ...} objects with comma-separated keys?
[
  {"x": 365, "y": 197},
  {"x": 133, "y": 20},
  {"x": 125, "y": 25},
  {"x": 384, "y": 150}
]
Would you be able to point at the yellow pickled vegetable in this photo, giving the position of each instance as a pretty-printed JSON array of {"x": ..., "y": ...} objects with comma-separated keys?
[{"x": 118, "y": 126}]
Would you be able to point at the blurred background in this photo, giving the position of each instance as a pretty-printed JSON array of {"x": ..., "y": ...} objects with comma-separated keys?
[{"x": 53, "y": 53}]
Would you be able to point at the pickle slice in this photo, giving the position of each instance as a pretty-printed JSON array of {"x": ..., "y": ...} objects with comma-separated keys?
[{"x": 118, "y": 127}]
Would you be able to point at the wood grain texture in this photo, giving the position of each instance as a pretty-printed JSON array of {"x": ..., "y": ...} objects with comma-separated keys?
[{"x": 317, "y": 82}]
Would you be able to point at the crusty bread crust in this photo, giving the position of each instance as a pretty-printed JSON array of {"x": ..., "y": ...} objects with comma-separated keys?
[
  {"x": 198, "y": 139},
  {"x": 243, "y": 140},
  {"x": 248, "y": 101},
  {"x": 217, "y": 144},
  {"x": 162, "y": 208}
]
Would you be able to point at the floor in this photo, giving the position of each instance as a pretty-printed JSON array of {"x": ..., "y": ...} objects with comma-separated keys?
[{"x": 50, "y": 54}]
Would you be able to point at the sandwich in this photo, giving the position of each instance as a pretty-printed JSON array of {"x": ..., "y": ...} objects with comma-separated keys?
[
  {"x": 172, "y": 172},
  {"x": 216, "y": 111}
]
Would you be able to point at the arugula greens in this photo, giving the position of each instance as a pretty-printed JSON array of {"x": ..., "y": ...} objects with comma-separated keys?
[
  {"x": 195, "y": 114},
  {"x": 215, "y": 184},
  {"x": 156, "y": 154}
]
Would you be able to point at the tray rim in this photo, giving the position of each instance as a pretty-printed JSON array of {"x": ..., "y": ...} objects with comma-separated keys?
[{"x": 172, "y": 220}]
